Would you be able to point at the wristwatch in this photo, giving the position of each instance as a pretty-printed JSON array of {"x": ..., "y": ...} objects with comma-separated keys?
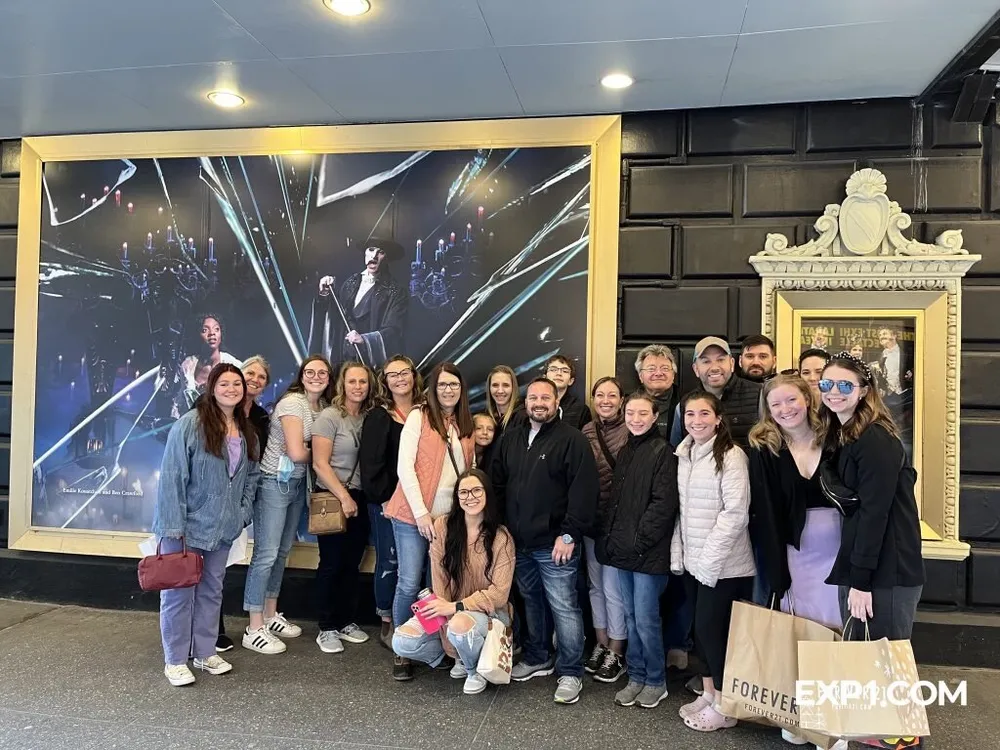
[
  {"x": 567, "y": 539},
  {"x": 459, "y": 607}
]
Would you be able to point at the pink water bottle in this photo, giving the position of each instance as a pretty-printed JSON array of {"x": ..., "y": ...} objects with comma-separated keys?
[{"x": 430, "y": 625}]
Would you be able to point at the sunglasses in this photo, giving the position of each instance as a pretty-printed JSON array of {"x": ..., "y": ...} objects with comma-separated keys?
[{"x": 846, "y": 387}]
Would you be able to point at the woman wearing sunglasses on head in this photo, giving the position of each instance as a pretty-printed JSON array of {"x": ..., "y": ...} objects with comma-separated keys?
[{"x": 879, "y": 568}]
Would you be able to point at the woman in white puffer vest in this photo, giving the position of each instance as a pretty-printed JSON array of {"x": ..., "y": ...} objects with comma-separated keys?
[{"x": 711, "y": 544}]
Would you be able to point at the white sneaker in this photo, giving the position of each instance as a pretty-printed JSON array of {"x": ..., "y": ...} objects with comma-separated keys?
[
  {"x": 458, "y": 671},
  {"x": 214, "y": 664},
  {"x": 838, "y": 745},
  {"x": 352, "y": 634},
  {"x": 329, "y": 642},
  {"x": 263, "y": 641},
  {"x": 475, "y": 683},
  {"x": 793, "y": 739},
  {"x": 282, "y": 627},
  {"x": 178, "y": 675}
]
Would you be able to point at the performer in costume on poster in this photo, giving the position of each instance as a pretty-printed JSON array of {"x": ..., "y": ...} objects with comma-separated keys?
[
  {"x": 195, "y": 368},
  {"x": 366, "y": 317}
]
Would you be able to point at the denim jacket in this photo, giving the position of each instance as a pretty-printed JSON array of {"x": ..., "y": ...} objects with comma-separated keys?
[{"x": 196, "y": 497}]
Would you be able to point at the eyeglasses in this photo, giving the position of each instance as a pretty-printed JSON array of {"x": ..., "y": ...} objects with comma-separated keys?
[
  {"x": 449, "y": 386},
  {"x": 559, "y": 370},
  {"x": 846, "y": 387},
  {"x": 476, "y": 492},
  {"x": 665, "y": 370},
  {"x": 317, "y": 374},
  {"x": 398, "y": 374}
]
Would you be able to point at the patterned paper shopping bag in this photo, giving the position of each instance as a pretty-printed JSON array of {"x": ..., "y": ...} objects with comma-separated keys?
[{"x": 860, "y": 689}]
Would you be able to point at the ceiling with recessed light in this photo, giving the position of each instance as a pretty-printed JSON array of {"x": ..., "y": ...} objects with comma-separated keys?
[{"x": 106, "y": 65}]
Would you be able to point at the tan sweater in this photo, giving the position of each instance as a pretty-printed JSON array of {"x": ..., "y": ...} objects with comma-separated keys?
[{"x": 477, "y": 593}]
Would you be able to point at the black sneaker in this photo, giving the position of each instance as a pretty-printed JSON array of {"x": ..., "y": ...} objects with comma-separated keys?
[
  {"x": 446, "y": 664},
  {"x": 695, "y": 685},
  {"x": 223, "y": 643},
  {"x": 596, "y": 659},
  {"x": 612, "y": 668},
  {"x": 402, "y": 669}
]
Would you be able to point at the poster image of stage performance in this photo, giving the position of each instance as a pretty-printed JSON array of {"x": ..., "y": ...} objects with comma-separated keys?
[
  {"x": 151, "y": 270},
  {"x": 887, "y": 346}
]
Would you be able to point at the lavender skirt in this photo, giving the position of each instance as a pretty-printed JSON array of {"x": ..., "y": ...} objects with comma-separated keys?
[{"x": 810, "y": 597}]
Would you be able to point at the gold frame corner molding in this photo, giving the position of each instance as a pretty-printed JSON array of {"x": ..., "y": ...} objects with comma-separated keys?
[
  {"x": 602, "y": 133},
  {"x": 860, "y": 264}
]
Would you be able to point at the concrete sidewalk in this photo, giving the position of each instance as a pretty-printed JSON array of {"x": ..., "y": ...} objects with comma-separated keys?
[{"x": 82, "y": 678}]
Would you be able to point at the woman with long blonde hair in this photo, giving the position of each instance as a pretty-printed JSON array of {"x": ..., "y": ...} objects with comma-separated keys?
[
  {"x": 336, "y": 445},
  {"x": 795, "y": 531},
  {"x": 502, "y": 400}
]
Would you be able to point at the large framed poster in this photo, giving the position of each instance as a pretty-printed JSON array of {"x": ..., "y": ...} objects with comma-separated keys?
[{"x": 143, "y": 259}]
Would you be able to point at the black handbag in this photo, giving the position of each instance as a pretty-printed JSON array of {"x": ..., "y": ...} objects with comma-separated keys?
[{"x": 838, "y": 494}]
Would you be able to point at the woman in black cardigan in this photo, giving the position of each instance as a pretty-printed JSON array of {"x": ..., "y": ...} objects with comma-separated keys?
[
  {"x": 637, "y": 524},
  {"x": 400, "y": 386},
  {"x": 879, "y": 569}
]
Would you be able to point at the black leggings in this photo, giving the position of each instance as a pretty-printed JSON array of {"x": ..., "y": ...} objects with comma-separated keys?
[
  {"x": 337, "y": 575},
  {"x": 713, "y": 608}
]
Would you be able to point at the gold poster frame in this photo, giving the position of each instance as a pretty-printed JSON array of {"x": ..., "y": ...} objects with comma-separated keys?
[
  {"x": 602, "y": 134},
  {"x": 929, "y": 311}
]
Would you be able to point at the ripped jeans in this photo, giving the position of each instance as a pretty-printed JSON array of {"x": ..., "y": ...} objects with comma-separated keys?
[{"x": 429, "y": 649}]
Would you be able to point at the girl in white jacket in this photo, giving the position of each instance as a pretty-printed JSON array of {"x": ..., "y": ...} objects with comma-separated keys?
[{"x": 711, "y": 542}]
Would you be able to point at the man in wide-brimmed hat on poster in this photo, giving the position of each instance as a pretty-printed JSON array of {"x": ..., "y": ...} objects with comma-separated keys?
[{"x": 366, "y": 317}]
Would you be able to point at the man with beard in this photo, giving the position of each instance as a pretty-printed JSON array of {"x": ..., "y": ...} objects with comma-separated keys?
[
  {"x": 715, "y": 367},
  {"x": 366, "y": 318},
  {"x": 657, "y": 371},
  {"x": 545, "y": 479},
  {"x": 757, "y": 360}
]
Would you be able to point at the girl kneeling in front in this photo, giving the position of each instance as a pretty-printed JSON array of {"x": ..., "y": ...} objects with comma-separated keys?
[
  {"x": 711, "y": 542},
  {"x": 472, "y": 565}
]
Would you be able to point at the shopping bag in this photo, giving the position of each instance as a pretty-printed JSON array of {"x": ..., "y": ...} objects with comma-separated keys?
[
  {"x": 758, "y": 683},
  {"x": 860, "y": 689},
  {"x": 497, "y": 656}
]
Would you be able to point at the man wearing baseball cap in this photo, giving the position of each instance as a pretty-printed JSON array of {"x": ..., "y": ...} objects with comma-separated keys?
[{"x": 715, "y": 367}]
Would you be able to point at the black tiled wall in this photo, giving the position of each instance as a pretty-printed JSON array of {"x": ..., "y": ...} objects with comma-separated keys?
[
  {"x": 701, "y": 191},
  {"x": 10, "y": 168}
]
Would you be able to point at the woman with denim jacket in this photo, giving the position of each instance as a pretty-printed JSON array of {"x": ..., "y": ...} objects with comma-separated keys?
[
  {"x": 280, "y": 501},
  {"x": 208, "y": 478}
]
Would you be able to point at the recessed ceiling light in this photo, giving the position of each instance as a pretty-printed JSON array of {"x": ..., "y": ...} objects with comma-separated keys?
[
  {"x": 616, "y": 81},
  {"x": 226, "y": 99},
  {"x": 349, "y": 7}
]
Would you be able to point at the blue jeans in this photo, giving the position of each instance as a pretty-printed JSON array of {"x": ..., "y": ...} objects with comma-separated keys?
[
  {"x": 645, "y": 654},
  {"x": 411, "y": 554},
  {"x": 275, "y": 519},
  {"x": 429, "y": 649},
  {"x": 540, "y": 580},
  {"x": 386, "y": 565}
]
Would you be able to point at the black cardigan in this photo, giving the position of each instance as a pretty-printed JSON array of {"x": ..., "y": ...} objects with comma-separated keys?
[
  {"x": 637, "y": 523},
  {"x": 880, "y": 543},
  {"x": 378, "y": 455}
]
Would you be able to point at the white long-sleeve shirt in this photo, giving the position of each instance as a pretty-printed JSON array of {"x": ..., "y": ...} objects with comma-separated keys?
[{"x": 408, "y": 441}]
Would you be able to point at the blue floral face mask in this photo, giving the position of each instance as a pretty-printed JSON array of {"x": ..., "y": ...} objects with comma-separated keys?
[{"x": 285, "y": 469}]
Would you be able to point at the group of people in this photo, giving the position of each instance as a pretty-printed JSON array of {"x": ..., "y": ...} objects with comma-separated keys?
[{"x": 680, "y": 504}]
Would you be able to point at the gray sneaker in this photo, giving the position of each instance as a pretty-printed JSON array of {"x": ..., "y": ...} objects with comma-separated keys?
[
  {"x": 627, "y": 695},
  {"x": 328, "y": 642},
  {"x": 568, "y": 690},
  {"x": 651, "y": 696},
  {"x": 523, "y": 671}
]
